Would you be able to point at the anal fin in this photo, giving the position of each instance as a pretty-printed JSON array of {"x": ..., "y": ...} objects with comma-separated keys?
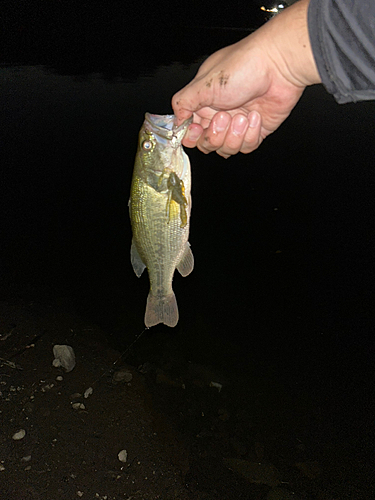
[{"x": 186, "y": 264}]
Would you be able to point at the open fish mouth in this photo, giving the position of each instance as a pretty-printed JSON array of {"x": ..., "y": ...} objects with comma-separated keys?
[{"x": 163, "y": 126}]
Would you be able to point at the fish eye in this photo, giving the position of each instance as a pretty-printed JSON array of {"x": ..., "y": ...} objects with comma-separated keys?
[{"x": 147, "y": 145}]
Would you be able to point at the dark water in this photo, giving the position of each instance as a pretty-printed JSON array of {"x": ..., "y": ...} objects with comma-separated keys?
[{"x": 283, "y": 238}]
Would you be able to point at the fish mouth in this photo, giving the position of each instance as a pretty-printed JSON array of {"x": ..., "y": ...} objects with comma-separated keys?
[{"x": 163, "y": 126}]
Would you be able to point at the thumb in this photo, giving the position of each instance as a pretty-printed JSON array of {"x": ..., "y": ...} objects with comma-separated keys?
[
  {"x": 181, "y": 113},
  {"x": 190, "y": 99}
]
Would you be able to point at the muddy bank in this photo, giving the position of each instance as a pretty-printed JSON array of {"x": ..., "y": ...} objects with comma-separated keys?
[{"x": 189, "y": 431}]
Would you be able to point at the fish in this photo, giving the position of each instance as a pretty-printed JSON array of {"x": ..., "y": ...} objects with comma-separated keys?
[{"x": 160, "y": 207}]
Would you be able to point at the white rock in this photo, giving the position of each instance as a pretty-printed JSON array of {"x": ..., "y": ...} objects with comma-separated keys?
[
  {"x": 123, "y": 455},
  {"x": 78, "y": 406},
  {"x": 64, "y": 356},
  {"x": 26, "y": 459},
  {"x": 217, "y": 385},
  {"x": 19, "y": 435},
  {"x": 59, "y": 377},
  {"x": 88, "y": 392},
  {"x": 2, "y": 467}
]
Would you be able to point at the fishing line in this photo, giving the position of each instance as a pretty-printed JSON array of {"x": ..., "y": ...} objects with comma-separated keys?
[{"x": 121, "y": 355}]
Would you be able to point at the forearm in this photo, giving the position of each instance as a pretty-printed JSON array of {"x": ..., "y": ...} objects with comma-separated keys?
[{"x": 287, "y": 42}]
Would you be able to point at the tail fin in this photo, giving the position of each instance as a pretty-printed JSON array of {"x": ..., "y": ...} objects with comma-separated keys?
[{"x": 161, "y": 310}]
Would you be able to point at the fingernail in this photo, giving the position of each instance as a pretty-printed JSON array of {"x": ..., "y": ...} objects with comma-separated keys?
[
  {"x": 254, "y": 119},
  {"x": 194, "y": 133},
  {"x": 239, "y": 125},
  {"x": 220, "y": 123}
]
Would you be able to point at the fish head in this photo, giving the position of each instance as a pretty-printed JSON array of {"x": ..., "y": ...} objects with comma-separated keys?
[{"x": 159, "y": 148}]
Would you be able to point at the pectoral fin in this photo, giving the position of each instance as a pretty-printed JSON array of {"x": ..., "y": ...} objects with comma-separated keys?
[
  {"x": 136, "y": 260},
  {"x": 177, "y": 193},
  {"x": 186, "y": 264}
]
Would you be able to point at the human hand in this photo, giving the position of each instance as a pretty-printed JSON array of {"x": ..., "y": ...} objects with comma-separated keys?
[{"x": 243, "y": 92}]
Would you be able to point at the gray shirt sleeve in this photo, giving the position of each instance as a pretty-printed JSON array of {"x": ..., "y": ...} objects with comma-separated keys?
[{"x": 342, "y": 35}]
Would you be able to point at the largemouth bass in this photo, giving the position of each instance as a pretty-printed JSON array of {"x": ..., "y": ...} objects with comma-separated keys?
[{"x": 160, "y": 205}]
